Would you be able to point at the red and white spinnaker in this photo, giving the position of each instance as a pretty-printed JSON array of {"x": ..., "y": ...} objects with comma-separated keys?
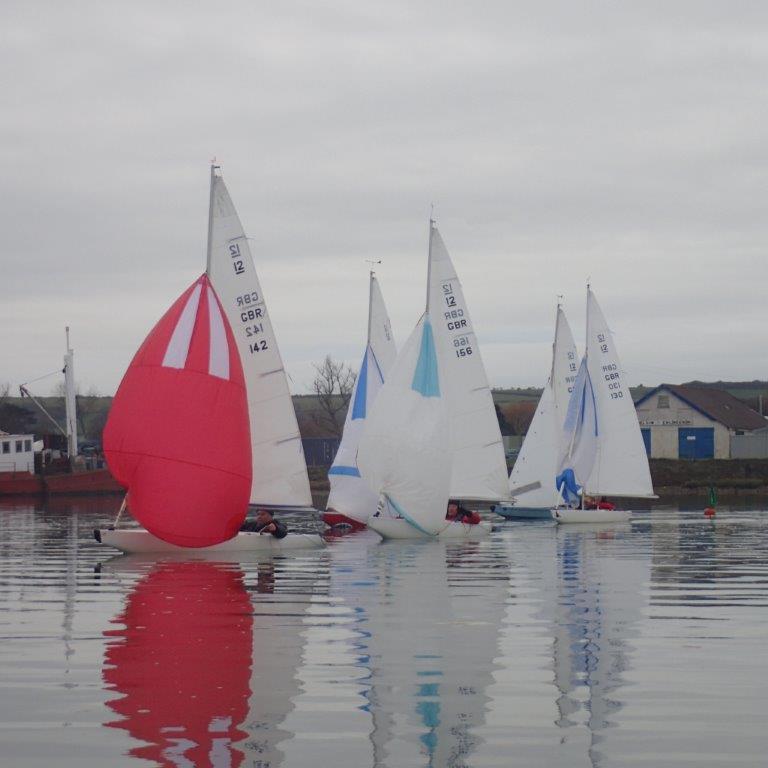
[{"x": 178, "y": 435}]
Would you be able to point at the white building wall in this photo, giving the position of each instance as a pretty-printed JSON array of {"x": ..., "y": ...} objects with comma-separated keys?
[
  {"x": 16, "y": 453},
  {"x": 665, "y": 422}
]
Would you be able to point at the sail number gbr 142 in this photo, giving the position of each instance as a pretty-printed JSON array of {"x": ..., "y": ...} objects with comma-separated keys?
[{"x": 252, "y": 315}]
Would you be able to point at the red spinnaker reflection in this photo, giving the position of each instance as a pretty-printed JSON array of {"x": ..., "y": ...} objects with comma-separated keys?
[{"x": 182, "y": 663}]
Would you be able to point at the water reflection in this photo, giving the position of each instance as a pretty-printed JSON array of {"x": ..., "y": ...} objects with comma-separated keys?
[
  {"x": 540, "y": 646},
  {"x": 181, "y": 662},
  {"x": 600, "y": 597},
  {"x": 426, "y": 625}
]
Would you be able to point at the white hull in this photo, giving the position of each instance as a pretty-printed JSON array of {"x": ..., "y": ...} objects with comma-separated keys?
[
  {"x": 139, "y": 541},
  {"x": 394, "y": 528},
  {"x": 591, "y": 515}
]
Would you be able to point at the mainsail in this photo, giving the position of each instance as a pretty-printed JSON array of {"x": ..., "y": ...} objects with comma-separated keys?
[
  {"x": 402, "y": 452},
  {"x": 278, "y": 465},
  {"x": 479, "y": 468},
  {"x": 621, "y": 464},
  {"x": 177, "y": 435},
  {"x": 530, "y": 481},
  {"x": 602, "y": 445},
  {"x": 350, "y": 495}
]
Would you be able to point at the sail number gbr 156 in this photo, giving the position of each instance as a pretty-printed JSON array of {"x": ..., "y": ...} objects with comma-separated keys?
[{"x": 455, "y": 320}]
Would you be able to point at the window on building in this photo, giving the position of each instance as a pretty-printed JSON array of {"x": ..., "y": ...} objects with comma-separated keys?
[
  {"x": 6, "y": 446},
  {"x": 663, "y": 401},
  {"x": 19, "y": 444},
  {"x": 27, "y": 445}
]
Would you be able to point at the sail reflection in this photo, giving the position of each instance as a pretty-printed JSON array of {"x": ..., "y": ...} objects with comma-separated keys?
[
  {"x": 600, "y": 598},
  {"x": 427, "y": 620},
  {"x": 182, "y": 663}
]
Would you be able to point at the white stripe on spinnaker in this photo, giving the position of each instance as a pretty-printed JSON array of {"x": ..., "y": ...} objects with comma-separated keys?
[
  {"x": 178, "y": 346},
  {"x": 218, "y": 364}
]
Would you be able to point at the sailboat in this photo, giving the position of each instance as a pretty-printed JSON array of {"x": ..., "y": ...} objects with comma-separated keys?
[
  {"x": 351, "y": 502},
  {"x": 479, "y": 467},
  {"x": 203, "y": 423},
  {"x": 601, "y": 450},
  {"x": 530, "y": 482},
  {"x": 433, "y": 433}
]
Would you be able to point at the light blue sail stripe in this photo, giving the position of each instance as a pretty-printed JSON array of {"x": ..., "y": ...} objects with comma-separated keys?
[
  {"x": 341, "y": 470},
  {"x": 426, "y": 380},
  {"x": 408, "y": 519},
  {"x": 361, "y": 391}
]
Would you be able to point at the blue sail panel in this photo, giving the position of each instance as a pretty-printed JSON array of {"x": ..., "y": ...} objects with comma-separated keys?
[
  {"x": 361, "y": 390},
  {"x": 341, "y": 470},
  {"x": 426, "y": 380}
]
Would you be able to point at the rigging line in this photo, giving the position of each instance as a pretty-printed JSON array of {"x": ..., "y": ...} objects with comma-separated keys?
[{"x": 44, "y": 376}]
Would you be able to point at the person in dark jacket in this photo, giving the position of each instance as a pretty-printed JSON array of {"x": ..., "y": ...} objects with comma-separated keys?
[
  {"x": 265, "y": 523},
  {"x": 458, "y": 514}
]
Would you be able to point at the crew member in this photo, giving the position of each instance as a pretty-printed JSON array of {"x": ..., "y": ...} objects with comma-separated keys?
[
  {"x": 458, "y": 514},
  {"x": 265, "y": 523}
]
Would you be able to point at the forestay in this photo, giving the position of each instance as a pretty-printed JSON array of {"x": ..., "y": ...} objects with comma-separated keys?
[
  {"x": 621, "y": 463},
  {"x": 531, "y": 480},
  {"x": 350, "y": 494},
  {"x": 279, "y": 469},
  {"x": 402, "y": 452},
  {"x": 479, "y": 468}
]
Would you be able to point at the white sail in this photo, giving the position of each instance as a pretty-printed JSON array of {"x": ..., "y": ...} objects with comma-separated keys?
[
  {"x": 479, "y": 467},
  {"x": 531, "y": 481},
  {"x": 279, "y": 469},
  {"x": 380, "y": 337},
  {"x": 601, "y": 441},
  {"x": 350, "y": 494},
  {"x": 579, "y": 438},
  {"x": 621, "y": 463},
  {"x": 402, "y": 452}
]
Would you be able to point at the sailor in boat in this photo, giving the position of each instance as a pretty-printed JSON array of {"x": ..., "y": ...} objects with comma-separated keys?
[
  {"x": 590, "y": 502},
  {"x": 265, "y": 523},
  {"x": 458, "y": 514}
]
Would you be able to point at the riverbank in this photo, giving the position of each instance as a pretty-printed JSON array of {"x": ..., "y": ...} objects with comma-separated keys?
[{"x": 673, "y": 477}]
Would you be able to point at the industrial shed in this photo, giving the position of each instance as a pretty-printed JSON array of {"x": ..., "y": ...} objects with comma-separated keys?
[{"x": 682, "y": 422}]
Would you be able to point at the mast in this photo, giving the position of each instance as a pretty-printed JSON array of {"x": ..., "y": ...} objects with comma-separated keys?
[
  {"x": 210, "y": 221},
  {"x": 597, "y": 449},
  {"x": 370, "y": 303},
  {"x": 429, "y": 260},
  {"x": 586, "y": 340},
  {"x": 554, "y": 344}
]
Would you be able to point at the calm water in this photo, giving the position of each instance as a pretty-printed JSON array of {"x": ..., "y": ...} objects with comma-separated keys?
[{"x": 638, "y": 645}]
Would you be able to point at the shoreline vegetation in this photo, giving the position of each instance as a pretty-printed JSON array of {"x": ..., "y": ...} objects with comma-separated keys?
[{"x": 515, "y": 408}]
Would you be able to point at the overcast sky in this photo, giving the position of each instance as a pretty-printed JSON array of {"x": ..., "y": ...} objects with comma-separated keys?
[{"x": 558, "y": 141}]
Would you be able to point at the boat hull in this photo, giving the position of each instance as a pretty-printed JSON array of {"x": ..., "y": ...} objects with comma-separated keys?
[
  {"x": 334, "y": 519},
  {"x": 565, "y": 516},
  {"x": 90, "y": 481},
  {"x": 138, "y": 541},
  {"x": 395, "y": 528},
  {"x": 523, "y": 513}
]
